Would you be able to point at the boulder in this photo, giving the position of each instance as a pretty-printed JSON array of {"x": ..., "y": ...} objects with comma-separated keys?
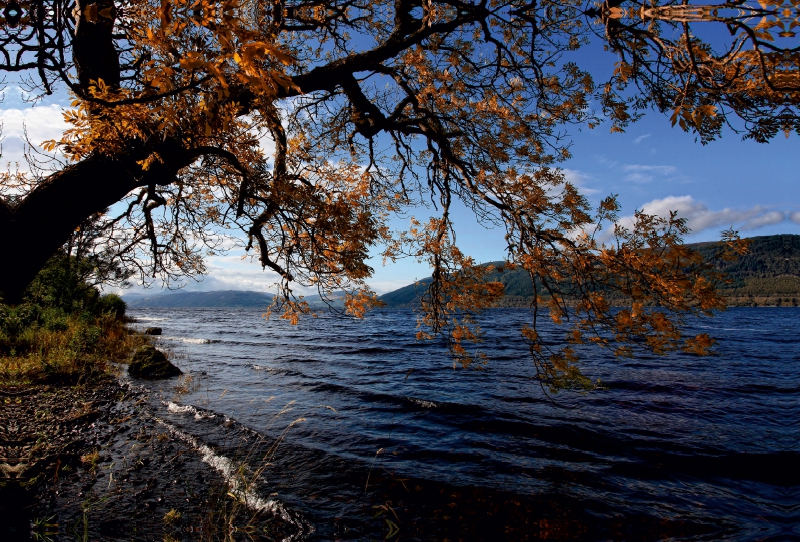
[
  {"x": 148, "y": 362},
  {"x": 152, "y": 331}
]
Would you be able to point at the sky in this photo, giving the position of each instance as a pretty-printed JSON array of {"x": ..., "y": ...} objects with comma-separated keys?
[{"x": 752, "y": 187}]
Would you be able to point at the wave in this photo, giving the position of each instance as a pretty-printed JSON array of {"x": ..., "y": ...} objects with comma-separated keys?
[
  {"x": 346, "y": 348},
  {"x": 423, "y": 403},
  {"x": 404, "y": 401},
  {"x": 183, "y": 409},
  {"x": 228, "y": 422},
  {"x": 445, "y": 406},
  {"x": 646, "y": 423},
  {"x": 271, "y": 369},
  {"x": 190, "y": 340},
  {"x": 239, "y": 489}
]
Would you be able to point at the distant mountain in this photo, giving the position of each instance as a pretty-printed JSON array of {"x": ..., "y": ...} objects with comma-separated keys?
[
  {"x": 406, "y": 295},
  {"x": 218, "y": 299},
  {"x": 517, "y": 284},
  {"x": 224, "y": 298},
  {"x": 768, "y": 257},
  {"x": 769, "y": 274}
]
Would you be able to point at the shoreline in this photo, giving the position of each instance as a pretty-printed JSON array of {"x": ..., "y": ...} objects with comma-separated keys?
[
  {"x": 94, "y": 462},
  {"x": 115, "y": 471}
]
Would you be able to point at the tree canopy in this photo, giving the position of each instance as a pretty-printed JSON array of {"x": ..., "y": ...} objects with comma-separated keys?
[{"x": 308, "y": 125}]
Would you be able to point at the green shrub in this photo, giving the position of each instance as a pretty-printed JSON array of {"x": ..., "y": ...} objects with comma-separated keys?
[
  {"x": 78, "y": 352},
  {"x": 61, "y": 284},
  {"x": 54, "y": 319},
  {"x": 84, "y": 339},
  {"x": 65, "y": 331},
  {"x": 111, "y": 304},
  {"x": 13, "y": 320}
]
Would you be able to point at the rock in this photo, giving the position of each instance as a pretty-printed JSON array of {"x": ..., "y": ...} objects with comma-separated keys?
[
  {"x": 148, "y": 362},
  {"x": 152, "y": 331}
]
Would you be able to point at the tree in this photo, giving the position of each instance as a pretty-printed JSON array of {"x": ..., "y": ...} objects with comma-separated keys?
[
  {"x": 752, "y": 77},
  {"x": 373, "y": 108},
  {"x": 74, "y": 273}
]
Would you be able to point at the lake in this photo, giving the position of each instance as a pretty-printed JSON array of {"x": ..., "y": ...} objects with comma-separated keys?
[{"x": 391, "y": 437}]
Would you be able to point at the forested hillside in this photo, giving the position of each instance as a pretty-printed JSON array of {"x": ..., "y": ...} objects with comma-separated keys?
[
  {"x": 768, "y": 257},
  {"x": 769, "y": 274}
]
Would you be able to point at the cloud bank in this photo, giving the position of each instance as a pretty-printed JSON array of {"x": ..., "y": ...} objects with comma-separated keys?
[
  {"x": 41, "y": 123},
  {"x": 700, "y": 218}
]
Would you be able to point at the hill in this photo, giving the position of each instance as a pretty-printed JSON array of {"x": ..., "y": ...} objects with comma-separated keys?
[
  {"x": 217, "y": 299},
  {"x": 769, "y": 274},
  {"x": 224, "y": 298}
]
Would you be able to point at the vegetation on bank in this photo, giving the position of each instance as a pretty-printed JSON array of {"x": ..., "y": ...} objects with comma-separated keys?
[{"x": 65, "y": 331}]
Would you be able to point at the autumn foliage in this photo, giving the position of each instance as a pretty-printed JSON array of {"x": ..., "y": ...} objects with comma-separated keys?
[{"x": 309, "y": 126}]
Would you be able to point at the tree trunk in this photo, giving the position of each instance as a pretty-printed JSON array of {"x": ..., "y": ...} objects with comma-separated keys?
[
  {"x": 34, "y": 229},
  {"x": 93, "y": 48}
]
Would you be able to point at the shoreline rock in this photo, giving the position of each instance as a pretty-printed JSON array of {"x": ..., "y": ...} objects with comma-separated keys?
[{"x": 149, "y": 362}]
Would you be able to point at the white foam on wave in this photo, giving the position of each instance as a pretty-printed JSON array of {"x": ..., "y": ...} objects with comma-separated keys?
[
  {"x": 150, "y": 319},
  {"x": 190, "y": 340},
  {"x": 183, "y": 409},
  {"x": 238, "y": 488},
  {"x": 226, "y": 467},
  {"x": 423, "y": 403}
]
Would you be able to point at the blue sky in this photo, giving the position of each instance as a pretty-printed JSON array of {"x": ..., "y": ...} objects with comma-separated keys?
[{"x": 753, "y": 187}]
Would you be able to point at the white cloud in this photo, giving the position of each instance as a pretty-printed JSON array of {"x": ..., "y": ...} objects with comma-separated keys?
[
  {"x": 579, "y": 179},
  {"x": 44, "y": 122},
  {"x": 641, "y": 138},
  {"x": 795, "y": 217},
  {"x": 41, "y": 122},
  {"x": 700, "y": 218},
  {"x": 601, "y": 159},
  {"x": 385, "y": 286},
  {"x": 234, "y": 272},
  {"x": 638, "y": 173},
  {"x": 767, "y": 219},
  {"x": 638, "y": 178}
]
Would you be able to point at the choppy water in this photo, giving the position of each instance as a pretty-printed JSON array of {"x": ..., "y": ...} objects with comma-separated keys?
[{"x": 678, "y": 447}]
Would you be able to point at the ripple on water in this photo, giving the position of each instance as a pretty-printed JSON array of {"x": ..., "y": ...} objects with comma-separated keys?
[{"x": 677, "y": 446}]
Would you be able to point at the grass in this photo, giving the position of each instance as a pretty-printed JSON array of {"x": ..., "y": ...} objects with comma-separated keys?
[
  {"x": 64, "y": 348},
  {"x": 90, "y": 460},
  {"x": 172, "y": 516}
]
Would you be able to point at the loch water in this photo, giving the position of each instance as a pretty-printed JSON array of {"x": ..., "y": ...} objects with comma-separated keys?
[{"x": 391, "y": 437}]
